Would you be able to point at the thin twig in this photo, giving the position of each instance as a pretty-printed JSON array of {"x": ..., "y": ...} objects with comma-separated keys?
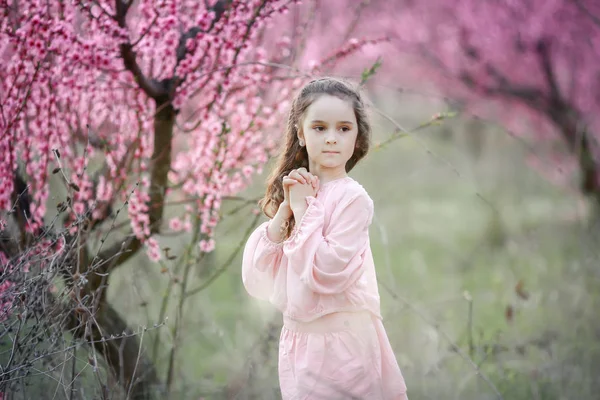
[
  {"x": 137, "y": 361},
  {"x": 227, "y": 263},
  {"x": 454, "y": 346}
]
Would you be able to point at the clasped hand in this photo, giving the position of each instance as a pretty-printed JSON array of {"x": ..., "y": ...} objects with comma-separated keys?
[{"x": 298, "y": 185}]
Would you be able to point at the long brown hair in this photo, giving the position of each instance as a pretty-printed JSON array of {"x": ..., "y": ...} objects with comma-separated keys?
[{"x": 295, "y": 156}]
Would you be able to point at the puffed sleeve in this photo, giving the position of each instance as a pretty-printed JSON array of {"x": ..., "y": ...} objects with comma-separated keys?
[
  {"x": 330, "y": 261},
  {"x": 260, "y": 263}
]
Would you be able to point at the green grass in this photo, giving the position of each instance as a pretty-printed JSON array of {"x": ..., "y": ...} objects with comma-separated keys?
[
  {"x": 447, "y": 228},
  {"x": 437, "y": 235}
]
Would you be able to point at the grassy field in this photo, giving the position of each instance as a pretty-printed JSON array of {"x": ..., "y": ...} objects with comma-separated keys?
[
  {"x": 476, "y": 254},
  {"x": 489, "y": 280}
]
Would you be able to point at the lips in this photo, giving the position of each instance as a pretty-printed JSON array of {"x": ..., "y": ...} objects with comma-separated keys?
[{"x": 331, "y": 152}]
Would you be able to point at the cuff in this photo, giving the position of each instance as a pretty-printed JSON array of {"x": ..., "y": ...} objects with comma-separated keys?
[
  {"x": 313, "y": 217},
  {"x": 269, "y": 244}
]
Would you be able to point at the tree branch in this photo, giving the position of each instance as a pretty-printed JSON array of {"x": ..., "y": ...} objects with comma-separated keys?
[
  {"x": 114, "y": 256},
  {"x": 111, "y": 337},
  {"x": 566, "y": 119},
  {"x": 219, "y": 9},
  {"x": 595, "y": 19},
  {"x": 164, "y": 120},
  {"x": 226, "y": 264},
  {"x": 120, "y": 252},
  {"x": 151, "y": 87},
  {"x": 553, "y": 105},
  {"x": 22, "y": 201},
  {"x": 530, "y": 95},
  {"x": 543, "y": 51},
  {"x": 357, "y": 14}
]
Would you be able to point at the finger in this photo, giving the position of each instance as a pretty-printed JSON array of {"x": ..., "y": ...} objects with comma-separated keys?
[
  {"x": 305, "y": 174},
  {"x": 289, "y": 182},
  {"x": 297, "y": 176},
  {"x": 291, "y": 175},
  {"x": 303, "y": 171}
]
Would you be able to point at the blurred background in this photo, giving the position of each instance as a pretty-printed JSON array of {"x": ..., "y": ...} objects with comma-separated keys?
[
  {"x": 484, "y": 172},
  {"x": 483, "y": 264}
]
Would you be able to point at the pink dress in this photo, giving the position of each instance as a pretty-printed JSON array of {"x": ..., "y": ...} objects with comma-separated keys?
[{"x": 333, "y": 344}]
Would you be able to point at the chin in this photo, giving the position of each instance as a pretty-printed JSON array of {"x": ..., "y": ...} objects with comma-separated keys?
[{"x": 330, "y": 165}]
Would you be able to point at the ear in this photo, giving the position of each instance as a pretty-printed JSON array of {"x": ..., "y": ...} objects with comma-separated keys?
[{"x": 299, "y": 132}]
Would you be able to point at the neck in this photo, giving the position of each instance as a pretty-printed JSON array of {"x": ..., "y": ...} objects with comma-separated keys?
[{"x": 327, "y": 174}]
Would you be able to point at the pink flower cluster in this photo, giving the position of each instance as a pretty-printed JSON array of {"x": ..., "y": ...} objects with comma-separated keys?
[
  {"x": 495, "y": 58},
  {"x": 508, "y": 61},
  {"x": 64, "y": 87}
]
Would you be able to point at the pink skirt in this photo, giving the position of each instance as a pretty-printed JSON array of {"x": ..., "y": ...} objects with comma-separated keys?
[{"x": 339, "y": 356}]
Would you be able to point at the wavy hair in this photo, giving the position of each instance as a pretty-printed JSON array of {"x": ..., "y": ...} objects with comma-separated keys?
[{"x": 294, "y": 156}]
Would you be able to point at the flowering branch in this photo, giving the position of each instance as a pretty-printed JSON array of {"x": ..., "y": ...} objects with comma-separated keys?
[{"x": 152, "y": 88}]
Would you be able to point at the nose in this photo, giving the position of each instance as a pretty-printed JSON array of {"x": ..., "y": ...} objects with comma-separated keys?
[{"x": 330, "y": 139}]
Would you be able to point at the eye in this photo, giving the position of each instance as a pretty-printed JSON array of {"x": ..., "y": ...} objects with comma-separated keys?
[
  {"x": 319, "y": 128},
  {"x": 345, "y": 129}
]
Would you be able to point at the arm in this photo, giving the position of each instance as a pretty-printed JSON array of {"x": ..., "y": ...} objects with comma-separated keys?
[
  {"x": 260, "y": 262},
  {"x": 330, "y": 261}
]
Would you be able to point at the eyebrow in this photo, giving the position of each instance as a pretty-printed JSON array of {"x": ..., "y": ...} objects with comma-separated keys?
[{"x": 323, "y": 122}]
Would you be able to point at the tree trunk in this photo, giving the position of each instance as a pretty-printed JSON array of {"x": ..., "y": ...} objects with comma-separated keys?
[
  {"x": 579, "y": 143},
  {"x": 124, "y": 354}
]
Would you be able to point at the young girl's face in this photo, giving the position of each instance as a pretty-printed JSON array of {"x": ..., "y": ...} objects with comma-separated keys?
[{"x": 329, "y": 130}]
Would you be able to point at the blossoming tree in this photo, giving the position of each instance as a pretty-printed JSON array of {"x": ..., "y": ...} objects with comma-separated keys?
[
  {"x": 515, "y": 61},
  {"x": 131, "y": 105}
]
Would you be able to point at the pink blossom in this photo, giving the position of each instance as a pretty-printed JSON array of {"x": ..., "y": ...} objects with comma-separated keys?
[
  {"x": 153, "y": 249},
  {"x": 175, "y": 224},
  {"x": 206, "y": 246}
]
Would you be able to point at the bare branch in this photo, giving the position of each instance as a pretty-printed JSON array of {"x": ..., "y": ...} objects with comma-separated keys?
[
  {"x": 110, "y": 336},
  {"x": 226, "y": 264},
  {"x": 117, "y": 254},
  {"x": 587, "y": 12},
  {"x": 446, "y": 336},
  {"x": 353, "y": 24},
  {"x": 543, "y": 50}
]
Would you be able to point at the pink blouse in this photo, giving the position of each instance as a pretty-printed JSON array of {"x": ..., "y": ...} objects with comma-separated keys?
[{"x": 326, "y": 265}]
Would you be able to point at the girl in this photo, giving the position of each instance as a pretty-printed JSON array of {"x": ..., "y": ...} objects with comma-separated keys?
[{"x": 313, "y": 260}]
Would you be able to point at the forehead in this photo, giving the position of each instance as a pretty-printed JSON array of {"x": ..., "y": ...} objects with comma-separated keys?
[{"x": 330, "y": 109}]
